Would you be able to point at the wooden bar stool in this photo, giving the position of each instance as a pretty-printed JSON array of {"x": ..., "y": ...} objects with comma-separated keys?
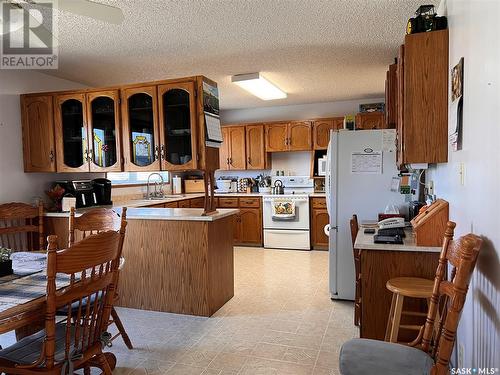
[{"x": 401, "y": 287}]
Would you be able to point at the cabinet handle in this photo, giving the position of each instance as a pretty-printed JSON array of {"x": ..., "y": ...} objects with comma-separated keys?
[
  {"x": 90, "y": 155},
  {"x": 227, "y": 161},
  {"x": 157, "y": 152},
  {"x": 249, "y": 161},
  {"x": 51, "y": 155},
  {"x": 162, "y": 152},
  {"x": 86, "y": 153},
  {"x": 231, "y": 161}
]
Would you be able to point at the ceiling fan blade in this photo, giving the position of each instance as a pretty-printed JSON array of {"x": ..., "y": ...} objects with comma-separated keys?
[{"x": 92, "y": 9}]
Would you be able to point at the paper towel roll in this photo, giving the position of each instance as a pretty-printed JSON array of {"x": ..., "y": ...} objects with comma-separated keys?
[{"x": 176, "y": 185}]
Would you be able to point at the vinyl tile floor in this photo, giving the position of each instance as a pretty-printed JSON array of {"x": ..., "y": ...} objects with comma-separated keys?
[{"x": 280, "y": 321}]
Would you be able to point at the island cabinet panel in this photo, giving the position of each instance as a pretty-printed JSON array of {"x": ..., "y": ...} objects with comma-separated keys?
[
  {"x": 183, "y": 267},
  {"x": 257, "y": 158},
  {"x": 141, "y": 134},
  {"x": 177, "y": 119},
  {"x": 299, "y": 136},
  {"x": 277, "y": 137},
  {"x": 425, "y": 122},
  {"x": 38, "y": 133}
]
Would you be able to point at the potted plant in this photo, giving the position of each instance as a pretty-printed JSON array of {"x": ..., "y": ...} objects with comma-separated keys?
[{"x": 5, "y": 262}]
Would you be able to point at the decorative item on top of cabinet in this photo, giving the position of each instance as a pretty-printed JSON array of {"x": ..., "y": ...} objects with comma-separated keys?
[
  {"x": 370, "y": 120},
  {"x": 232, "y": 154},
  {"x": 321, "y": 131},
  {"x": 141, "y": 135},
  {"x": 257, "y": 157},
  {"x": 425, "y": 98},
  {"x": 319, "y": 218},
  {"x": 177, "y": 114},
  {"x": 38, "y": 133}
]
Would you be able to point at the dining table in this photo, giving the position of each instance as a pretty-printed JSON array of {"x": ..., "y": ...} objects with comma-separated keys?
[{"x": 23, "y": 296}]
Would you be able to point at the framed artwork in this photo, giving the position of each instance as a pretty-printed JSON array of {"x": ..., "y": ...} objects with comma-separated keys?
[{"x": 457, "y": 104}]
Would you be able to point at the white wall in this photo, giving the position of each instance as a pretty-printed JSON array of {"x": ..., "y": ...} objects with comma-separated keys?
[
  {"x": 294, "y": 112},
  {"x": 15, "y": 185},
  {"x": 297, "y": 163},
  {"x": 475, "y": 206}
]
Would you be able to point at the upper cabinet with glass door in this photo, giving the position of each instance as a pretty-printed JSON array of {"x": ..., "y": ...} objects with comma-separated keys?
[
  {"x": 71, "y": 133},
  {"x": 141, "y": 146},
  {"x": 87, "y": 132},
  {"x": 177, "y": 126},
  {"x": 104, "y": 131}
]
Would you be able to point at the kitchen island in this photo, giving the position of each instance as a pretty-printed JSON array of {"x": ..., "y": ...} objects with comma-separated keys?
[{"x": 176, "y": 259}]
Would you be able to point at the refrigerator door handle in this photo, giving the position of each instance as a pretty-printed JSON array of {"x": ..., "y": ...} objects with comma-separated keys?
[{"x": 328, "y": 183}]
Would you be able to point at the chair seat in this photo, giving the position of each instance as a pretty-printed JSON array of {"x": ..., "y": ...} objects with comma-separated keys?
[
  {"x": 363, "y": 356},
  {"x": 415, "y": 287},
  {"x": 27, "y": 350}
]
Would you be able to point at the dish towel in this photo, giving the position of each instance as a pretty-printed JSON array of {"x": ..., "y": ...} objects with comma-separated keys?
[{"x": 283, "y": 209}]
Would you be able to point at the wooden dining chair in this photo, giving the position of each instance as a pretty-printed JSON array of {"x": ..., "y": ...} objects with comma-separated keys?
[
  {"x": 431, "y": 352},
  {"x": 86, "y": 271},
  {"x": 21, "y": 227},
  {"x": 92, "y": 222},
  {"x": 357, "y": 270}
]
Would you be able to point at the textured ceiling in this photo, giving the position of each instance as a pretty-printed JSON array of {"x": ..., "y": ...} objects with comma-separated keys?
[{"x": 315, "y": 50}]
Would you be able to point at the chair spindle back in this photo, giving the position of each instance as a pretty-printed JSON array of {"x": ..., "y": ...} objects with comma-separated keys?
[
  {"x": 92, "y": 222},
  {"x": 21, "y": 226}
]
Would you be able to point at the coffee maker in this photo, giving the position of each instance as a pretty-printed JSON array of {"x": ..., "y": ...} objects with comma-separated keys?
[
  {"x": 82, "y": 190},
  {"x": 102, "y": 190}
]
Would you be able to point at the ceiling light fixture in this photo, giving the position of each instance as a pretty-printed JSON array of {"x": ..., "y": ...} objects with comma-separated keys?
[{"x": 259, "y": 86}]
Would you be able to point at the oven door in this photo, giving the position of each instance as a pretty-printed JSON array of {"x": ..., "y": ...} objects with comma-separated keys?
[{"x": 300, "y": 221}]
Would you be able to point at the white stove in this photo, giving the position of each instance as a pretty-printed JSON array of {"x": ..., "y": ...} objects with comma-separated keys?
[{"x": 290, "y": 232}]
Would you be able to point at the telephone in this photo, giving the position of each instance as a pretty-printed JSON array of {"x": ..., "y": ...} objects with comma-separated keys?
[{"x": 392, "y": 222}]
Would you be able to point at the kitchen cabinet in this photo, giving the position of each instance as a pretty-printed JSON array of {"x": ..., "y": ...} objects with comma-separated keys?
[
  {"x": 87, "y": 132},
  {"x": 233, "y": 155},
  {"x": 399, "y": 105},
  {"x": 291, "y": 136},
  {"x": 141, "y": 134},
  {"x": 319, "y": 218},
  {"x": 177, "y": 119},
  {"x": 391, "y": 97},
  {"x": 184, "y": 203},
  {"x": 370, "y": 120},
  {"x": 257, "y": 158},
  {"x": 299, "y": 136},
  {"x": 276, "y": 137},
  {"x": 248, "y": 222},
  {"x": 321, "y": 131},
  {"x": 197, "y": 202},
  {"x": 424, "y": 138},
  {"x": 38, "y": 133}
]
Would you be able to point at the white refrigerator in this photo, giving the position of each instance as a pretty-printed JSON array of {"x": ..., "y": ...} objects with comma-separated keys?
[{"x": 360, "y": 170}]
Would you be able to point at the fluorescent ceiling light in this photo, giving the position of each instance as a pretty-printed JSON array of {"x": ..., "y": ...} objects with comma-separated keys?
[{"x": 257, "y": 85}]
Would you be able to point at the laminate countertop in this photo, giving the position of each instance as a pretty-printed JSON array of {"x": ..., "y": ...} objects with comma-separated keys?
[{"x": 365, "y": 242}]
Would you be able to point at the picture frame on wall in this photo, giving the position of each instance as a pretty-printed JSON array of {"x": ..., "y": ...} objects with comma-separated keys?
[{"x": 456, "y": 108}]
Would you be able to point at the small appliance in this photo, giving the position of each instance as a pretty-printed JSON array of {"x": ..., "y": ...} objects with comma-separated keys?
[
  {"x": 223, "y": 186},
  {"x": 82, "y": 190},
  {"x": 102, "y": 190},
  {"x": 322, "y": 162}
]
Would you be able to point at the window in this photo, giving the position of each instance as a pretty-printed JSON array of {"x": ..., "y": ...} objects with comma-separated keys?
[{"x": 123, "y": 178}]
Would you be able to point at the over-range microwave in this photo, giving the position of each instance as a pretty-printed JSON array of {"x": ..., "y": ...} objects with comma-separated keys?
[{"x": 322, "y": 166}]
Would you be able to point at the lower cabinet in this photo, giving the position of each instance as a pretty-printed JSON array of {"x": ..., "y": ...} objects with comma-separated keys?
[
  {"x": 319, "y": 218},
  {"x": 248, "y": 222}
]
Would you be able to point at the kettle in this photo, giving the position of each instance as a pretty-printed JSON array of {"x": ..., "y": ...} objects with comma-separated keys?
[{"x": 278, "y": 187}]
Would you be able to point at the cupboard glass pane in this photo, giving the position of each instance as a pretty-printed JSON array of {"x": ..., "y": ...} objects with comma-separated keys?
[
  {"x": 177, "y": 123},
  {"x": 73, "y": 132},
  {"x": 141, "y": 127},
  {"x": 103, "y": 131}
]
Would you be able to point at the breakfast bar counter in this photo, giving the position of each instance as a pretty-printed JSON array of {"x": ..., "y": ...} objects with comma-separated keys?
[{"x": 176, "y": 259}]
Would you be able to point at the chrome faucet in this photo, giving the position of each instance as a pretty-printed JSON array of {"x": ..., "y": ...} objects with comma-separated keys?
[{"x": 158, "y": 189}]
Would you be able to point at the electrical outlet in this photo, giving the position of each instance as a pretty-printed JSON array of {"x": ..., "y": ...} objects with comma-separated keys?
[
  {"x": 430, "y": 187},
  {"x": 460, "y": 359}
]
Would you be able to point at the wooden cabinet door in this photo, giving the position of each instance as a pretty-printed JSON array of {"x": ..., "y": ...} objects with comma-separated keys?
[
  {"x": 399, "y": 106},
  {"x": 300, "y": 136},
  {"x": 321, "y": 133},
  {"x": 38, "y": 133},
  {"x": 338, "y": 123},
  {"x": 255, "y": 145},
  {"x": 373, "y": 120},
  {"x": 141, "y": 136},
  {"x": 276, "y": 137},
  {"x": 197, "y": 202},
  {"x": 237, "y": 153},
  {"x": 250, "y": 226},
  {"x": 72, "y": 145},
  {"x": 184, "y": 203},
  {"x": 391, "y": 97},
  {"x": 177, "y": 123},
  {"x": 224, "y": 150},
  {"x": 320, "y": 218},
  {"x": 103, "y": 122},
  {"x": 237, "y": 228}
]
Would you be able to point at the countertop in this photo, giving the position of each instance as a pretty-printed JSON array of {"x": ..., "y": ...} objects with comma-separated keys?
[{"x": 365, "y": 242}]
